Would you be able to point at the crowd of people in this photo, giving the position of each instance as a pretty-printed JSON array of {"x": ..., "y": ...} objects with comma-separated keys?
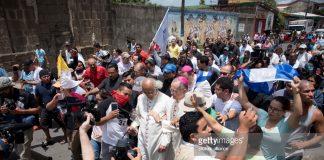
[{"x": 170, "y": 105}]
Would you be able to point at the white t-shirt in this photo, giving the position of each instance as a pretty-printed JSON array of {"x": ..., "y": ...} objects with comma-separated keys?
[
  {"x": 225, "y": 107},
  {"x": 303, "y": 59},
  {"x": 274, "y": 59},
  {"x": 114, "y": 129},
  {"x": 122, "y": 68},
  {"x": 194, "y": 63},
  {"x": 246, "y": 48},
  {"x": 157, "y": 71}
]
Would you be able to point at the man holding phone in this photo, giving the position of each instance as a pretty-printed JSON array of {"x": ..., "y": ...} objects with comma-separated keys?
[{"x": 115, "y": 115}]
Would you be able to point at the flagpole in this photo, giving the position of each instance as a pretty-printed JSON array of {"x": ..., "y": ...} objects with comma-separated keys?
[{"x": 182, "y": 19}]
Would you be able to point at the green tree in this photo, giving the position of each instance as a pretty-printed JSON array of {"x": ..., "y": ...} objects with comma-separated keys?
[
  {"x": 271, "y": 3},
  {"x": 202, "y": 2},
  {"x": 279, "y": 22},
  {"x": 131, "y": 1}
]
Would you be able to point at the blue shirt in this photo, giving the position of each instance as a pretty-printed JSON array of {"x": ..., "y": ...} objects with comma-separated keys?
[
  {"x": 40, "y": 54},
  {"x": 45, "y": 92},
  {"x": 27, "y": 77},
  {"x": 3, "y": 72}
]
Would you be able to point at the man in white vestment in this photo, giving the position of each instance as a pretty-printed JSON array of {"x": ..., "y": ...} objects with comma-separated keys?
[
  {"x": 151, "y": 141},
  {"x": 179, "y": 88}
]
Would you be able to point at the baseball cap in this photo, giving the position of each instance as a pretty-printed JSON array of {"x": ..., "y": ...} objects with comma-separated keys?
[
  {"x": 226, "y": 48},
  {"x": 5, "y": 82},
  {"x": 125, "y": 55},
  {"x": 170, "y": 68}
]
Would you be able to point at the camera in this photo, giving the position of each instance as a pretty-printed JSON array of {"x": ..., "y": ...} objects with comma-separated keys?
[
  {"x": 74, "y": 118},
  {"x": 12, "y": 133},
  {"x": 124, "y": 146},
  {"x": 10, "y": 104}
]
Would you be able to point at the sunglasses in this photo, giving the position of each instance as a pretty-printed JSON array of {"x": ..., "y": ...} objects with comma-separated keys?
[{"x": 224, "y": 73}]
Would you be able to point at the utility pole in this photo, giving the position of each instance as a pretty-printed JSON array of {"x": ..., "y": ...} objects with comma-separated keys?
[
  {"x": 307, "y": 9},
  {"x": 182, "y": 19}
]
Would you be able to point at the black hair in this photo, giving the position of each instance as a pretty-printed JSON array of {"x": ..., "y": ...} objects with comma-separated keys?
[
  {"x": 96, "y": 45},
  {"x": 203, "y": 59},
  {"x": 119, "y": 51},
  {"x": 188, "y": 124},
  {"x": 113, "y": 65},
  {"x": 225, "y": 83},
  {"x": 194, "y": 44},
  {"x": 122, "y": 85},
  {"x": 129, "y": 73},
  {"x": 138, "y": 44},
  {"x": 103, "y": 93},
  {"x": 284, "y": 102},
  {"x": 255, "y": 137}
]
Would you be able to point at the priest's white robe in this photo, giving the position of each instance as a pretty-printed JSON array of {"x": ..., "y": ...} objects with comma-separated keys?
[{"x": 150, "y": 135}]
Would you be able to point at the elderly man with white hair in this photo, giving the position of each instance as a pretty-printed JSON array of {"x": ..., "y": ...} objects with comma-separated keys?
[
  {"x": 151, "y": 105},
  {"x": 170, "y": 125}
]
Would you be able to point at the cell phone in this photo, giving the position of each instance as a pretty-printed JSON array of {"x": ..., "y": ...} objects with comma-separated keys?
[{"x": 114, "y": 106}]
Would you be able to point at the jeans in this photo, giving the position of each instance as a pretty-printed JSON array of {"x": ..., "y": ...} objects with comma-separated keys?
[
  {"x": 31, "y": 119},
  {"x": 96, "y": 148},
  {"x": 107, "y": 150}
]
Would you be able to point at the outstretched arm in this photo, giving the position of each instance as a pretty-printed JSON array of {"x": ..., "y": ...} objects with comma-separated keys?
[
  {"x": 242, "y": 96},
  {"x": 293, "y": 120}
]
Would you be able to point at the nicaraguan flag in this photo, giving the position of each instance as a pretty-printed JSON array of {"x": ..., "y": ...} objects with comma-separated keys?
[{"x": 261, "y": 80}]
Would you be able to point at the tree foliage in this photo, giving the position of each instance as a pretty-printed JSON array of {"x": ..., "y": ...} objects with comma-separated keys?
[
  {"x": 279, "y": 22},
  {"x": 202, "y": 2},
  {"x": 131, "y": 1},
  {"x": 271, "y": 3}
]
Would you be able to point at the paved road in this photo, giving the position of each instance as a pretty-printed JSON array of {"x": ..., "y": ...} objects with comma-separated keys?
[{"x": 57, "y": 151}]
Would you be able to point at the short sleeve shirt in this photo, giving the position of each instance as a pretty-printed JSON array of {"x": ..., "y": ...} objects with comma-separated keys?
[
  {"x": 45, "y": 92},
  {"x": 109, "y": 84},
  {"x": 96, "y": 77},
  {"x": 40, "y": 54}
]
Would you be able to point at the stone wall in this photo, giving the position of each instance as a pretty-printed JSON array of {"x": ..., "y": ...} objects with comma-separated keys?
[
  {"x": 139, "y": 22},
  {"x": 23, "y": 23},
  {"x": 17, "y": 29}
]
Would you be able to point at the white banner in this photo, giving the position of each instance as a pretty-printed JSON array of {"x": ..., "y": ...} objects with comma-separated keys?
[{"x": 162, "y": 34}]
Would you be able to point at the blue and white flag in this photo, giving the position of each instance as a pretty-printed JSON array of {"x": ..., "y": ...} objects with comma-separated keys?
[
  {"x": 162, "y": 34},
  {"x": 261, "y": 80}
]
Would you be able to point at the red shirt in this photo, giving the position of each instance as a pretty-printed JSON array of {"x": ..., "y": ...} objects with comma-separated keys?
[
  {"x": 144, "y": 55},
  {"x": 80, "y": 98},
  {"x": 96, "y": 77}
]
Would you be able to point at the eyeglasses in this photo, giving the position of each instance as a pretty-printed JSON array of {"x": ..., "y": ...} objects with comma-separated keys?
[
  {"x": 274, "y": 110},
  {"x": 224, "y": 73}
]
